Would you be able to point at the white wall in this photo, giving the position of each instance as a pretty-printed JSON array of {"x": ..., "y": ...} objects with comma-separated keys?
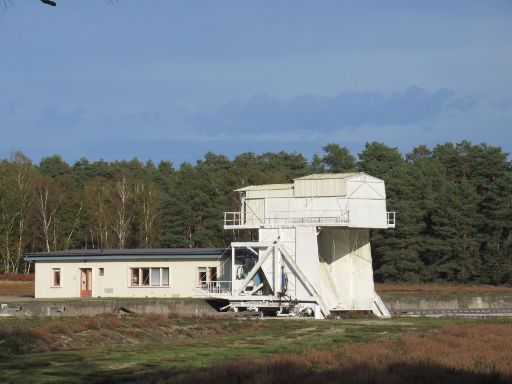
[
  {"x": 369, "y": 212},
  {"x": 320, "y": 187},
  {"x": 116, "y": 279},
  {"x": 347, "y": 262}
]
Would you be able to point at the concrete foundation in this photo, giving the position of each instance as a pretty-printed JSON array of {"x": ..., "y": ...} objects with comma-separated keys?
[
  {"x": 182, "y": 307},
  {"x": 198, "y": 307},
  {"x": 448, "y": 303}
]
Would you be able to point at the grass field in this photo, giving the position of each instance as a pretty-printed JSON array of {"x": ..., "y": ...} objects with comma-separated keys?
[{"x": 157, "y": 349}]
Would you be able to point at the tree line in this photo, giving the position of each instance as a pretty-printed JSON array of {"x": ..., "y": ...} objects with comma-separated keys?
[{"x": 453, "y": 203}]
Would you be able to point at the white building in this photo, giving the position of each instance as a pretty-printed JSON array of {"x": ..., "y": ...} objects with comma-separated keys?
[
  {"x": 176, "y": 272},
  {"x": 312, "y": 254}
]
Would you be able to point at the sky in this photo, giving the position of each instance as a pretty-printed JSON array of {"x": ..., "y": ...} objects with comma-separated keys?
[{"x": 171, "y": 80}]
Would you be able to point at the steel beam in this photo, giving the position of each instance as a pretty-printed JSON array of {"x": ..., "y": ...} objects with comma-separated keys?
[
  {"x": 253, "y": 271},
  {"x": 298, "y": 272}
]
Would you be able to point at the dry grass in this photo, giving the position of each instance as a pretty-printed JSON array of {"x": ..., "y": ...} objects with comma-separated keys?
[
  {"x": 16, "y": 341},
  {"x": 461, "y": 353},
  {"x": 16, "y": 288},
  {"x": 26, "y": 289},
  {"x": 19, "y": 336},
  {"x": 442, "y": 289},
  {"x": 17, "y": 276}
]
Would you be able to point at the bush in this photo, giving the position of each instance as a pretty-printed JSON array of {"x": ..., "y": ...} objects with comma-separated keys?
[{"x": 18, "y": 341}]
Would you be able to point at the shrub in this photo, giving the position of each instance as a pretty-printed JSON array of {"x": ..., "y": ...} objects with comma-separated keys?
[
  {"x": 111, "y": 321},
  {"x": 57, "y": 327},
  {"x": 18, "y": 341}
]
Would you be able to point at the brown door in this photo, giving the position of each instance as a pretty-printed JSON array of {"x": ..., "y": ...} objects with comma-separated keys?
[{"x": 85, "y": 282}]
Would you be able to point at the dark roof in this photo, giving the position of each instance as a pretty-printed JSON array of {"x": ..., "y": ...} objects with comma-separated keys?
[{"x": 119, "y": 254}]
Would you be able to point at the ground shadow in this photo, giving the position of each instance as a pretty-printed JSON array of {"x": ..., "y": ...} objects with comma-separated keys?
[{"x": 286, "y": 372}]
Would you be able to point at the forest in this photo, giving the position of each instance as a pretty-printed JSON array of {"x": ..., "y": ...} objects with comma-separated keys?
[{"x": 453, "y": 204}]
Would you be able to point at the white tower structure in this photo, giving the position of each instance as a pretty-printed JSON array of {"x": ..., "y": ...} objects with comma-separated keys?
[{"x": 312, "y": 255}]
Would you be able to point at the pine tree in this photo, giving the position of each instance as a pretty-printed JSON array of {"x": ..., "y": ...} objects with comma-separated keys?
[
  {"x": 338, "y": 159},
  {"x": 455, "y": 223}
]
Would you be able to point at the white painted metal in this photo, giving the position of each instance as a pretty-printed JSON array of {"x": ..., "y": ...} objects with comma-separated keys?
[
  {"x": 304, "y": 280},
  {"x": 313, "y": 243},
  {"x": 379, "y": 308},
  {"x": 269, "y": 190},
  {"x": 254, "y": 270},
  {"x": 213, "y": 288},
  {"x": 322, "y": 185}
]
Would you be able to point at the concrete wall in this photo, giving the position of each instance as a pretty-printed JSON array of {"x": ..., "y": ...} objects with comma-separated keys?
[
  {"x": 185, "y": 307},
  {"x": 116, "y": 279},
  {"x": 440, "y": 302}
]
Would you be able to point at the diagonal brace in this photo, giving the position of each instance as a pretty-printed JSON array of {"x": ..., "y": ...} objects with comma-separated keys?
[
  {"x": 254, "y": 269},
  {"x": 296, "y": 269}
]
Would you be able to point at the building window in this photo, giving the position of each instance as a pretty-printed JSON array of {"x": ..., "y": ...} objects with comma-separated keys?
[
  {"x": 101, "y": 271},
  {"x": 144, "y": 277},
  {"x": 155, "y": 276},
  {"x": 212, "y": 273},
  {"x": 165, "y": 277},
  {"x": 135, "y": 276},
  {"x": 202, "y": 276},
  {"x": 206, "y": 275},
  {"x": 56, "y": 277}
]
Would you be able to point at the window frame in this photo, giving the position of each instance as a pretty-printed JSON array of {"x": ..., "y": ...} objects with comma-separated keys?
[
  {"x": 56, "y": 282},
  {"x": 145, "y": 277},
  {"x": 209, "y": 277},
  {"x": 139, "y": 277},
  {"x": 202, "y": 272}
]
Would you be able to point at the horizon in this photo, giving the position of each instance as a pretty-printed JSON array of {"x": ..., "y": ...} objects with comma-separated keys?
[{"x": 175, "y": 165}]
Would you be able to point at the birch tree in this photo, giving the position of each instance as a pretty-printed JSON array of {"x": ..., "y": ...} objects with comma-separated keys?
[
  {"x": 8, "y": 214},
  {"x": 47, "y": 200},
  {"x": 122, "y": 206},
  {"x": 97, "y": 201},
  {"x": 23, "y": 181},
  {"x": 148, "y": 204}
]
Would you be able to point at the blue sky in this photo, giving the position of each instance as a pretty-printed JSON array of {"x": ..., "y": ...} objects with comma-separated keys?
[{"x": 174, "y": 79}]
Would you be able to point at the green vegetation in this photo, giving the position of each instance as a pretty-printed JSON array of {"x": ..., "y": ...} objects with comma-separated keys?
[
  {"x": 158, "y": 349},
  {"x": 111, "y": 349},
  {"x": 453, "y": 203}
]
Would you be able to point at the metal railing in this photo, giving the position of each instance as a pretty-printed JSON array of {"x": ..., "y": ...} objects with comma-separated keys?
[
  {"x": 391, "y": 219},
  {"x": 236, "y": 219},
  {"x": 213, "y": 287}
]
